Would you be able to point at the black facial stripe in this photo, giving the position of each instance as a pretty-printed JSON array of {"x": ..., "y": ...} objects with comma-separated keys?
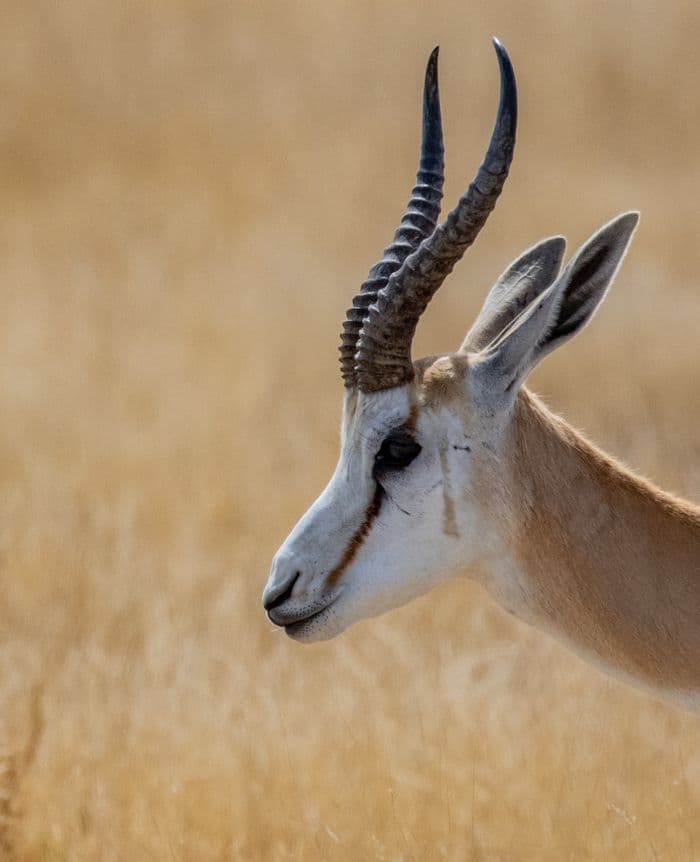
[{"x": 358, "y": 537}]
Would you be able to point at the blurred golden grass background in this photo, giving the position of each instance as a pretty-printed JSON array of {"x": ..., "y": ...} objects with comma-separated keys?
[{"x": 191, "y": 194}]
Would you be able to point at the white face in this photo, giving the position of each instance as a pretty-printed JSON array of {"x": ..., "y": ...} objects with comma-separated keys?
[{"x": 394, "y": 520}]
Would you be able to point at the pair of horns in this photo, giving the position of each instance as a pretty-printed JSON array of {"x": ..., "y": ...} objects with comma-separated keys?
[{"x": 375, "y": 349}]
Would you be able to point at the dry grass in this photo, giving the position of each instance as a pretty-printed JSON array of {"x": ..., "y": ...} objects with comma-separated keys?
[{"x": 191, "y": 192}]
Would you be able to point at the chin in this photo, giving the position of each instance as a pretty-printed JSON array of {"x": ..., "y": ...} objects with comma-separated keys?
[{"x": 322, "y": 627}]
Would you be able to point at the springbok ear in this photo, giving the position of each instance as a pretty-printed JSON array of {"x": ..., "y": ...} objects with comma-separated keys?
[
  {"x": 516, "y": 288},
  {"x": 559, "y": 312}
]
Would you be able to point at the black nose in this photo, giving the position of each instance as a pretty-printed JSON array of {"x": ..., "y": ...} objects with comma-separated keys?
[{"x": 275, "y": 600}]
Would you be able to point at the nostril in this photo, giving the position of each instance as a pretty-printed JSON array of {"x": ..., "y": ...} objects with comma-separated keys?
[{"x": 275, "y": 601}]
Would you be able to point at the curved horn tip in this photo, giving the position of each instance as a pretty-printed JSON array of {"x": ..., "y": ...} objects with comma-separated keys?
[
  {"x": 504, "y": 62},
  {"x": 431, "y": 71},
  {"x": 508, "y": 103},
  {"x": 498, "y": 45}
]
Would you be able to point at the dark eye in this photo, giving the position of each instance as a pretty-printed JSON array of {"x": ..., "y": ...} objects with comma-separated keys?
[{"x": 396, "y": 452}]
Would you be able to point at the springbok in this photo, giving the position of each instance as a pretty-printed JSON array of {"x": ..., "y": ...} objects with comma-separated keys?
[{"x": 449, "y": 465}]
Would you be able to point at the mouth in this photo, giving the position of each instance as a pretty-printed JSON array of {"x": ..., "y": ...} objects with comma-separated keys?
[
  {"x": 297, "y": 628},
  {"x": 304, "y": 622}
]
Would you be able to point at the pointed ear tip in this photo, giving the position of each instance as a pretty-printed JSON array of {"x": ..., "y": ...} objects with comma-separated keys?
[
  {"x": 554, "y": 244},
  {"x": 632, "y": 216},
  {"x": 628, "y": 221},
  {"x": 618, "y": 230}
]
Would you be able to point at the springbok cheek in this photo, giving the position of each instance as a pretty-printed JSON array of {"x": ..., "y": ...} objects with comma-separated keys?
[{"x": 397, "y": 563}]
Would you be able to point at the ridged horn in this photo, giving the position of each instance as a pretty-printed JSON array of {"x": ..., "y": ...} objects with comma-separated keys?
[
  {"x": 383, "y": 357},
  {"x": 417, "y": 223}
]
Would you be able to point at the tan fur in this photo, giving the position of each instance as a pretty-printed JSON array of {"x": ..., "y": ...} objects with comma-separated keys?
[
  {"x": 612, "y": 562},
  {"x": 441, "y": 378}
]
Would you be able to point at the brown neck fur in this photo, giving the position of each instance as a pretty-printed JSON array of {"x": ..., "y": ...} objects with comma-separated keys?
[{"x": 611, "y": 563}]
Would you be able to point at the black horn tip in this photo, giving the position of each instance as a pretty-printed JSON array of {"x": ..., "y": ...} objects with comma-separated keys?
[
  {"x": 431, "y": 92},
  {"x": 500, "y": 50},
  {"x": 509, "y": 93},
  {"x": 432, "y": 147}
]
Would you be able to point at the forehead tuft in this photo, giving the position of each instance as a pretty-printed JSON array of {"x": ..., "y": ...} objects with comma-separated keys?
[
  {"x": 374, "y": 413},
  {"x": 441, "y": 378}
]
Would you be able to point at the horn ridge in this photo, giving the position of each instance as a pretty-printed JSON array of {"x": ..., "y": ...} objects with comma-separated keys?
[
  {"x": 418, "y": 222},
  {"x": 384, "y": 346}
]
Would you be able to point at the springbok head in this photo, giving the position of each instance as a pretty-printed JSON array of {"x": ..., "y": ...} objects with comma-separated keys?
[{"x": 416, "y": 494}]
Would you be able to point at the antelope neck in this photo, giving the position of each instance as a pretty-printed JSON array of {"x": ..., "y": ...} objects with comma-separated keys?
[{"x": 609, "y": 563}]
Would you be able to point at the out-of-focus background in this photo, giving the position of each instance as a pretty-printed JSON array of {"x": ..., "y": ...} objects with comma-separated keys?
[{"x": 191, "y": 192}]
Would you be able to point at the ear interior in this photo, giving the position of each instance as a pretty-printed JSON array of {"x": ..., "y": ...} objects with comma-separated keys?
[
  {"x": 587, "y": 278},
  {"x": 509, "y": 358},
  {"x": 559, "y": 312},
  {"x": 514, "y": 290}
]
